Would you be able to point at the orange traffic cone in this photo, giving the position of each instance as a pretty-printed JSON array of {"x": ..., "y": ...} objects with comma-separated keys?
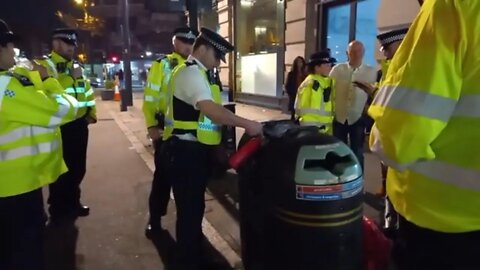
[{"x": 116, "y": 96}]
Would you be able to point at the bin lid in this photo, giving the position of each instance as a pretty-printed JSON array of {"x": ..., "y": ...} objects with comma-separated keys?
[{"x": 326, "y": 164}]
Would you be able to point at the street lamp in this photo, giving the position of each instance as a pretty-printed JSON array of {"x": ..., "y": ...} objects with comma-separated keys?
[{"x": 78, "y": 2}]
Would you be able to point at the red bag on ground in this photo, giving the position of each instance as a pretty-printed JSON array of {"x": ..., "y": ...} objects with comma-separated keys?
[{"x": 377, "y": 247}]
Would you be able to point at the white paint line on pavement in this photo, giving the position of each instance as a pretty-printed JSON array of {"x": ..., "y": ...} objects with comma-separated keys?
[{"x": 209, "y": 231}]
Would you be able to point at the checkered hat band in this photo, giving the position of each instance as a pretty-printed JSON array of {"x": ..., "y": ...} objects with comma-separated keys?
[
  {"x": 393, "y": 39},
  {"x": 215, "y": 44},
  {"x": 188, "y": 35},
  {"x": 67, "y": 36}
]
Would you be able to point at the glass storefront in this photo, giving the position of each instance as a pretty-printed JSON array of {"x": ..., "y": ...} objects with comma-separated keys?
[
  {"x": 341, "y": 26},
  {"x": 259, "y": 39}
]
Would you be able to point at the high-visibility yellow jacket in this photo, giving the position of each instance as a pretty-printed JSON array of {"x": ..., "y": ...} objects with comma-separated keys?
[
  {"x": 156, "y": 92},
  {"x": 315, "y": 102},
  {"x": 204, "y": 129},
  {"x": 79, "y": 88},
  {"x": 427, "y": 119},
  {"x": 31, "y": 112}
]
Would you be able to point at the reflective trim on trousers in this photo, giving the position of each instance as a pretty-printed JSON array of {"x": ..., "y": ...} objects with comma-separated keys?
[
  {"x": 24, "y": 132},
  {"x": 25, "y": 151},
  {"x": 4, "y": 81}
]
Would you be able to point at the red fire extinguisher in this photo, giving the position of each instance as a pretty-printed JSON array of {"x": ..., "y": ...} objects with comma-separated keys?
[{"x": 248, "y": 149}]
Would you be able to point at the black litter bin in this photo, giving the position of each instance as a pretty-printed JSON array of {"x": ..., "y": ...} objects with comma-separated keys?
[{"x": 300, "y": 202}]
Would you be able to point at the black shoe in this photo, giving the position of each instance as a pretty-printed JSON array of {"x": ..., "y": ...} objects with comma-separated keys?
[{"x": 83, "y": 210}]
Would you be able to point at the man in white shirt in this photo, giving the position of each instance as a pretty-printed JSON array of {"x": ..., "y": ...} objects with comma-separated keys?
[
  {"x": 353, "y": 86},
  {"x": 196, "y": 115}
]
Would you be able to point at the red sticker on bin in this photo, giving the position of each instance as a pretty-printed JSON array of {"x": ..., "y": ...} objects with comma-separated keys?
[{"x": 319, "y": 189}]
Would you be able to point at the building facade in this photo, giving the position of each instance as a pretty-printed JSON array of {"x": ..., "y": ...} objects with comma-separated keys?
[{"x": 270, "y": 34}]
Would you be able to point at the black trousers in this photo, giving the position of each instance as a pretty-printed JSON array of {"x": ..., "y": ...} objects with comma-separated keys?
[
  {"x": 22, "y": 222},
  {"x": 355, "y": 133},
  {"x": 189, "y": 169},
  {"x": 419, "y": 248},
  {"x": 160, "y": 192},
  {"x": 65, "y": 192}
]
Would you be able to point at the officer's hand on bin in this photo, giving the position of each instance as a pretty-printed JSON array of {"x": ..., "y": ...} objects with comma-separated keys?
[
  {"x": 253, "y": 128},
  {"x": 154, "y": 133}
]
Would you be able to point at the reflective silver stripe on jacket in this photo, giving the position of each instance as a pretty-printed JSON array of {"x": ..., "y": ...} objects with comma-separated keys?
[
  {"x": 428, "y": 105},
  {"x": 309, "y": 123},
  {"x": 82, "y": 104},
  {"x": 437, "y": 170},
  {"x": 313, "y": 111},
  {"x": 65, "y": 103},
  {"x": 77, "y": 90},
  {"x": 449, "y": 174},
  {"x": 24, "y": 132},
  {"x": 26, "y": 151},
  {"x": 468, "y": 106},
  {"x": 4, "y": 81},
  {"x": 154, "y": 86},
  {"x": 415, "y": 102},
  {"x": 53, "y": 66},
  {"x": 149, "y": 98},
  {"x": 89, "y": 92}
]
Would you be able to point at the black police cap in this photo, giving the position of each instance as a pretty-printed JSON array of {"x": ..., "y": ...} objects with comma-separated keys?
[
  {"x": 220, "y": 44},
  {"x": 392, "y": 36},
  {"x": 186, "y": 34},
  {"x": 319, "y": 58},
  {"x": 6, "y": 35},
  {"x": 67, "y": 35}
]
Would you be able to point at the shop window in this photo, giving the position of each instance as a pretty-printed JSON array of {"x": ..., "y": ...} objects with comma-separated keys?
[
  {"x": 366, "y": 28},
  {"x": 338, "y": 31},
  {"x": 258, "y": 38}
]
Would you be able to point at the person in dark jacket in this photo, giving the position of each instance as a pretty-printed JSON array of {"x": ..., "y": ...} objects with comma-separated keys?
[{"x": 294, "y": 78}]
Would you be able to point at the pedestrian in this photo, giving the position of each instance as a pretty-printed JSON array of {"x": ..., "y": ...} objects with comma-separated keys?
[
  {"x": 354, "y": 83},
  {"x": 154, "y": 109},
  {"x": 426, "y": 130},
  {"x": 197, "y": 115},
  {"x": 315, "y": 98},
  {"x": 294, "y": 78},
  {"x": 65, "y": 193},
  {"x": 32, "y": 107}
]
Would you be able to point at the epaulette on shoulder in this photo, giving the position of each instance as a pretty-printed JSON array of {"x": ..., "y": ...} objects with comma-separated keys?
[
  {"x": 161, "y": 58},
  {"x": 24, "y": 80}
]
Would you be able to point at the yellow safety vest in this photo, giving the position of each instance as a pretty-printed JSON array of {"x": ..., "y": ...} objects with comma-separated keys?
[
  {"x": 207, "y": 132},
  {"x": 314, "y": 104},
  {"x": 31, "y": 112},
  {"x": 427, "y": 119},
  {"x": 58, "y": 67},
  {"x": 156, "y": 92}
]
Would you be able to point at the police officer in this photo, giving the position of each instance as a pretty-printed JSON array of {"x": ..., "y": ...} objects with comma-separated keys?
[
  {"x": 65, "y": 193},
  {"x": 426, "y": 130},
  {"x": 390, "y": 42},
  {"x": 32, "y": 107},
  {"x": 314, "y": 104},
  {"x": 154, "y": 108},
  {"x": 192, "y": 129}
]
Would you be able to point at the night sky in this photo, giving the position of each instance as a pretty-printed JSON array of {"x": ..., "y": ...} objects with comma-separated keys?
[{"x": 34, "y": 19}]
